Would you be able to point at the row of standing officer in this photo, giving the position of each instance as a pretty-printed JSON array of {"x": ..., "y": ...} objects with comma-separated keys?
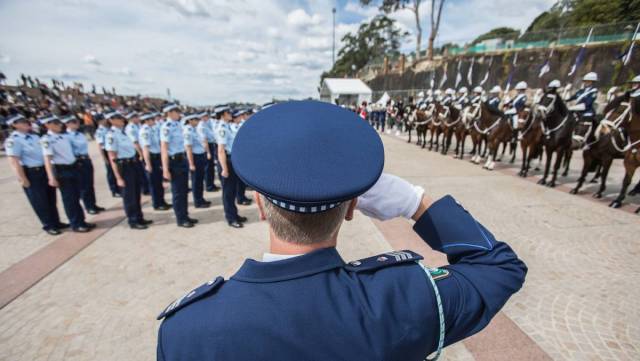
[{"x": 57, "y": 160}]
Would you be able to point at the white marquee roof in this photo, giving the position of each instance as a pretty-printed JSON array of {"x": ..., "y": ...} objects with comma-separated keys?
[{"x": 346, "y": 86}]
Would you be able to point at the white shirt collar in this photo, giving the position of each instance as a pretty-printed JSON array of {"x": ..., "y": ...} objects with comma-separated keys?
[{"x": 272, "y": 257}]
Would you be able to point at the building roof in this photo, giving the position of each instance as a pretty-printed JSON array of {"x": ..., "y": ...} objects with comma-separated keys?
[{"x": 346, "y": 86}]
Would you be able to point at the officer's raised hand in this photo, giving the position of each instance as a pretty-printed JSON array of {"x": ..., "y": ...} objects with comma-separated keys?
[{"x": 393, "y": 197}]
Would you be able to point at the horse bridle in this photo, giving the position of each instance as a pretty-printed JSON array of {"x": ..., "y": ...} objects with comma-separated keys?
[
  {"x": 545, "y": 111},
  {"x": 615, "y": 124}
]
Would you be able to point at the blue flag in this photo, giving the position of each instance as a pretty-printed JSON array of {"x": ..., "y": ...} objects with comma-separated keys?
[{"x": 580, "y": 55}]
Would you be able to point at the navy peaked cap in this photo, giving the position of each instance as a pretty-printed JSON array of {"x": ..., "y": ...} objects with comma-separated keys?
[
  {"x": 169, "y": 107},
  {"x": 48, "y": 119},
  {"x": 16, "y": 118},
  {"x": 308, "y": 156},
  {"x": 68, "y": 118}
]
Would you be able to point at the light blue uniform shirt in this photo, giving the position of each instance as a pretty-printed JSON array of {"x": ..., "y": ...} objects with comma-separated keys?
[
  {"x": 171, "y": 133},
  {"x": 191, "y": 138},
  {"x": 25, "y": 147},
  {"x": 119, "y": 143},
  {"x": 101, "y": 134},
  {"x": 58, "y": 147},
  {"x": 78, "y": 142},
  {"x": 150, "y": 137},
  {"x": 224, "y": 136},
  {"x": 133, "y": 132},
  {"x": 205, "y": 131}
]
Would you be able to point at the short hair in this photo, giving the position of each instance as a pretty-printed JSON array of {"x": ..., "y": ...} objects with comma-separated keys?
[{"x": 304, "y": 228}]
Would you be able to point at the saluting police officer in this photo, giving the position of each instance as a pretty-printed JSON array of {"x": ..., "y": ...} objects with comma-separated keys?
[
  {"x": 302, "y": 301},
  {"x": 62, "y": 172},
  {"x": 228, "y": 177},
  {"x": 132, "y": 129},
  {"x": 150, "y": 144},
  {"x": 85, "y": 166},
  {"x": 197, "y": 158},
  {"x": 205, "y": 131},
  {"x": 174, "y": 164},
  {"x": 101, "y": 133},
  {"x": 126, "y": 168},
  {"x": 239, "y": 119},
  {"x": 25, "y": 157}
]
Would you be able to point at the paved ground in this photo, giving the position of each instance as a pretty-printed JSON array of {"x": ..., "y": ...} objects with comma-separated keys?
[{"x": 577, "y": 304}]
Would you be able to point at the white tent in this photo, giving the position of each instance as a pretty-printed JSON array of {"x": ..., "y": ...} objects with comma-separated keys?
[
  {"x": 345, "y": 91},
  {"x": 383, "y": 99}
]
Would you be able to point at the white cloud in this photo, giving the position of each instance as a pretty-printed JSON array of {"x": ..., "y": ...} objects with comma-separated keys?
[
  {"x": 5, "y": 59},
  {"x": 300, "y": 18},
  {"x": 90, "y": 59}
]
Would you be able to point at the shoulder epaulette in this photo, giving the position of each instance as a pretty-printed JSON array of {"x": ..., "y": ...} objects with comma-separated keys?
[
  {"x": 382, "y": 260},
  {"x": 196, "y": 294}
]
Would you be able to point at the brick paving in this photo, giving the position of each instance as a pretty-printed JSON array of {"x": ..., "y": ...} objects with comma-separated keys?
[{"x": 578, "y": 302}]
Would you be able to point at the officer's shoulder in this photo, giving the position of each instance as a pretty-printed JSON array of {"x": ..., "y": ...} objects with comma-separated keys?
[
  {"x": 206, "y": 290},
  {"x": 383, "y": 260}
]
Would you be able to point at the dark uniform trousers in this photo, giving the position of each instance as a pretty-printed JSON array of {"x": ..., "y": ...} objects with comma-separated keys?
[
  {"x": 87, "y": 191},
  {"x": 197, "y": 178},
  {"x": 385, "y": 307},
  {"x": 131, "y": 192},
  {"x": 179, "y": 170},
  {"x": 42, "y": 197},
  {"x": 142, "y": 179},
  {"x": 229, "y": 190},
  {"x": 111, "y": 178},
  {"x": 155, "y": 181},
  {"x": 242, "y": 187},
  {"x": 210, "y": 169},
  {"x": 68, "y": 177}
]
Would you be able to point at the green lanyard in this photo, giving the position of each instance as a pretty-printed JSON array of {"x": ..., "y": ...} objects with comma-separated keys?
[{"x": 429, "y": 272}]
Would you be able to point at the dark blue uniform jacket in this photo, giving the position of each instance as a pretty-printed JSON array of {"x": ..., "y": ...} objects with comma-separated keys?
[{"x": 317, "y": 307}]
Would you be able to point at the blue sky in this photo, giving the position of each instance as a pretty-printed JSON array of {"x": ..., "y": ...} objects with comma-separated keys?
[{"x": 210, "y": 51}]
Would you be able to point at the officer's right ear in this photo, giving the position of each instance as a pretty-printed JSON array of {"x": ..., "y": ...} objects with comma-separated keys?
[{"x": 258, "y": 200}]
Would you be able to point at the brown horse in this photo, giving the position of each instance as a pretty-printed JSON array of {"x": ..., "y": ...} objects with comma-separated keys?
[
  {"x": 436, "y": 125},
  {"x": 631, "y": 149},
  {"x": 498, "y": 132},
  {"x": 451, "y": 119},
  {"x": 421, "y": 120},
  {"x": 463, "y": 128},
  {"x": 557, "y": 128},
  {"x": 600, "y": 147},
  {"x": 530, "y": 127}
]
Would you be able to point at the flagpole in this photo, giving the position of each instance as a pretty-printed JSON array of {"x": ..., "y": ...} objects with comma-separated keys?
[{"x": 633, "y": 38}]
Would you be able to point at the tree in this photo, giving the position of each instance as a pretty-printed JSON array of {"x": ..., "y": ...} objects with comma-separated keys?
[
  {"x": 374, "y": 40},
  {"x": 576, "y": 13},
  {"x": 502, "y": 33},
  {"x": 389, "y": 6}
]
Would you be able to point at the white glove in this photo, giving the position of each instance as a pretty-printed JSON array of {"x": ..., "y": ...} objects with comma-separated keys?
[{"x": 389, "y": 198}]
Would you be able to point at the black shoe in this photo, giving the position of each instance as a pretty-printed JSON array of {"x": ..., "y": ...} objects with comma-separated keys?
[
  {"x": 146, "y": 193},
  {"x": 63, "y": 225},
  {"x": 203, "y": 205},
  {"x": 235, "y": 225},
  {"x": 186, "y": 224},
  {"x": 81, "y": 229},
  {"x": 89, "y": 225},
  {"x": 164, "y": 207},
  {"x": 242, "y": 219},
  {"x": 92, "y": 211},
  {"x": 245, "y": 202},
  {"x": 116, "y": 195},
  {"x": 99, "y": 209},
  {"x": 145, "y": 222},
  {"x": 213, "y": 189},
  {"x": 192, "y": 220},
  {"x": 138, "y": 226},
  {"x": 53, "y": 232}
]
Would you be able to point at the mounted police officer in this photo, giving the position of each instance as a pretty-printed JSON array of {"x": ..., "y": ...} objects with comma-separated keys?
[
  {"x": 26, "y": 159},
  {"x": 301, "y": 301},
  {"x": 85, "y": 166},
  {"x": 227, "y": 174},
  {"x": 175, "y": 167},
  {"x": 463, "y": 98},
  {"x": 150, "y": 144},
  {"x": 477, "y": 96},
  {"x": 205, "y": 131},
  {"x": 585, "y": 98},
  {"x": 493, "y": 102},
  {"x": 101, "y": 133},
  {"x": 553, "y": 86},
  {"x": 448, "y": 97},
  {"x": 62, "y": 172},
  {"x": 126, "y": 168},
  {"x": 197, "y": 158},
  {"x": 517, "y": 104}
]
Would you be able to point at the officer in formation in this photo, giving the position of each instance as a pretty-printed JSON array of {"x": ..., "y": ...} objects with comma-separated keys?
[
  {"x": 463, "y": 98},
  {"x": 585, "y": 98},
  {"x": 493, "y": 103},
  {"x": 289, "y": 305},
  {"x": 85, "y": 166},
  {"x": 150, "y": 145},
  {"x": 126, "y": 168},
  {"x": 175, "y": 167},
  {"x": 448, "y": 97},
  {"x": 132, "y": 129},
  {"x": 101, "y": 135},
  {"x": 205, "y": 131},
  {"x": 517, "y": 104},
  {"x": 27, "y": 161},
  {"x": 553, "y": 86},
  {"x": 62, "y": 171},
  {"x": 477, "y": 96},
  {"x": 224, "y": 139},
  {"x": 239, "y": 117},
  {"x": 197, "y": 158}
]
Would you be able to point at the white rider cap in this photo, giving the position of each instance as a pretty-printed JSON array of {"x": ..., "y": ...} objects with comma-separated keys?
[
  {"x": 554, "y": 84},
  {"x": 592, "y": 76},
  {"x": 521, "y": 86}
]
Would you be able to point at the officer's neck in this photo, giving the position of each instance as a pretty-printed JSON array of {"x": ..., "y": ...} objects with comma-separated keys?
[{"x": 279, "y": 246}]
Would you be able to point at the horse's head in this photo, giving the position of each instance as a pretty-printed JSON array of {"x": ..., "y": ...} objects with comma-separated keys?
[{"x": 525, "y": 117}]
